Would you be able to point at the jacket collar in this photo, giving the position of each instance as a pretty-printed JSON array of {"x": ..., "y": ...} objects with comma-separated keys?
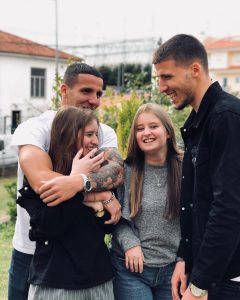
[{"x": 208, "y": 102}]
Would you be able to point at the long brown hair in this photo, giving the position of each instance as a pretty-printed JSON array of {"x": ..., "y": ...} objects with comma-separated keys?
[
  {"x": 67, "y": 124},
  {"x": 135, "y": 158}
]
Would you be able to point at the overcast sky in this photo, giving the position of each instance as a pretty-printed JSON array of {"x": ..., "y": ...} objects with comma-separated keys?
[{"x": 94, "y": 21}]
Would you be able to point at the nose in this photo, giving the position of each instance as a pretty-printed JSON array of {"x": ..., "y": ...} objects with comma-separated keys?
[
  {"x": 94, "y": 101},
  {"x": 95, "y": 140},
  {"x": 162, "y": 86},
  {"x": 147, "y": 131}
]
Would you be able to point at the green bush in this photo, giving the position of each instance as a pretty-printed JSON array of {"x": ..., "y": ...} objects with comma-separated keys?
[
  {"x": 125, "y": 118},
  {"x": 11, "y": 188}
]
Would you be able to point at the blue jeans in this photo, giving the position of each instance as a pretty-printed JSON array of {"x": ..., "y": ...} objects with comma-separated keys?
[
  {"x": 152, "y": 284},
  {"x": 225, "y": 291},
  {"x": 18, "y": 276}
]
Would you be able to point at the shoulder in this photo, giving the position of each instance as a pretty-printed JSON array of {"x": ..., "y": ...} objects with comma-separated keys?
[
  {"x": 106, "y": 129},
  {"x": 227, "y": 103},
  {"x": 107, "y": 136},
  {"x": 34, "y": 131}
]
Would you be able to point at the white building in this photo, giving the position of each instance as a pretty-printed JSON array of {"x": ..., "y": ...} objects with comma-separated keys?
[
  {"x": 224, "y": 61},
  {"x": 27, "y": 75}
]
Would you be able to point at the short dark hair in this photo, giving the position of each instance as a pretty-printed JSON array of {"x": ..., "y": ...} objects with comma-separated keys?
[
  {"x": 73, "y": 70},
  {"x": 183, "y": 49}
]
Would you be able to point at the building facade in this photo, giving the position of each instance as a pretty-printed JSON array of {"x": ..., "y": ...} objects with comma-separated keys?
[
  {"x": 224, "y": 62},
  {"x": 27, "y": 76}
]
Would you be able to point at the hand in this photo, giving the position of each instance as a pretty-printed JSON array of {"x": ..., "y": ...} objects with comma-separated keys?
[
  {"x": 87, "y": 164},
  {"x": 179, "y": 278},
  {"x": 114, "y": 208},
  {"x": 189, "y": 296},
  {"x": 134, "y": 259},
  {"x": 97, "y": 206},
  {"x": 60, "y": 189}
]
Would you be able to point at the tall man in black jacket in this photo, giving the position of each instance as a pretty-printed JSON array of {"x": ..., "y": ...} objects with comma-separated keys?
[{"x": 209, "y": 252}]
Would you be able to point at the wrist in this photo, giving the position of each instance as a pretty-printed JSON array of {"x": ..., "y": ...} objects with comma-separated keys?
[
  {"x": 196, "y": 291},
  {"x": 87, "y": 186},
  {"x": 178, "y": 259},
  {"x": 78, "y": 182},
  {"x": 112, "y": 197}
]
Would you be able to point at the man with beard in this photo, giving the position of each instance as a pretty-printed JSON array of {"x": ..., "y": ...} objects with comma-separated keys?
[{"x": 208, "y": 262}]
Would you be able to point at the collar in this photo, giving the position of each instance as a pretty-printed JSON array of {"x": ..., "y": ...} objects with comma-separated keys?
[{"x": 208, "y": 102}]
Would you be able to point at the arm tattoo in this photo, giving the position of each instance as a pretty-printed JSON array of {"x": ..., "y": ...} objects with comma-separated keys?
[{"x": 110, "y": 175}]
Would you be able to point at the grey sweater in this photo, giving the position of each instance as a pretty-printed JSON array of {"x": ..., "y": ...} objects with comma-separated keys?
[{"x": 158, "y": 237}]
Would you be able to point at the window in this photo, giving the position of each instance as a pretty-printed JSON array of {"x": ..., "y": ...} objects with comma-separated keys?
[
  {"x": 238, "y": 79},
  {"x": 225, "y": 81},
  {"x": 38, "y": 78}
]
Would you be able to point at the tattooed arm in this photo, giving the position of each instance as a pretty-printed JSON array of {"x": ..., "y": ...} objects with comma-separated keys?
[{"x": 109, "y": 176}]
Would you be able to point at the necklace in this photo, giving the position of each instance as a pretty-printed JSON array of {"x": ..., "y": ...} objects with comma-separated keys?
[{"x": 160, "y": 180}]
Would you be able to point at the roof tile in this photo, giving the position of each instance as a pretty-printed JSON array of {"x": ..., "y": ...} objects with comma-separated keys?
[{"x": 10, "y": 43}]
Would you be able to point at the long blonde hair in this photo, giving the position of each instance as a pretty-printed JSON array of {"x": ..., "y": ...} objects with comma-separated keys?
[{"x": 135, "y": 158}]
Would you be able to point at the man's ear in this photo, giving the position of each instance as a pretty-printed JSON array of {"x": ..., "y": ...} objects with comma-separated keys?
[
  {"x": 63, "y": 89},
  {"x": 196, "y": 69}
]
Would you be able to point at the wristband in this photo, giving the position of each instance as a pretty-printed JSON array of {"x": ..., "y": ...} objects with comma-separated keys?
[{"x": 106, "y": 202}]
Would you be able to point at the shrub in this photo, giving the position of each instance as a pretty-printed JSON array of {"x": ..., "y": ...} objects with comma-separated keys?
[{"x": 11, "y": 188}]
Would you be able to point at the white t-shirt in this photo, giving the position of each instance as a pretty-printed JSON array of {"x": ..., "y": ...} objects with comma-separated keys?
[{"x": 36, "y": 131}]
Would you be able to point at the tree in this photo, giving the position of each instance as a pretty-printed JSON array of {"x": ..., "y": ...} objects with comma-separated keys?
[{"x": 125, "y": 118}]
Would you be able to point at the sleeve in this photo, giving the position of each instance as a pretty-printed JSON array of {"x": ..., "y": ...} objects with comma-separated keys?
[
  {"x": 34, "y": 131},
  {"x": 125, "y": 235},
  {"x": 125, "y": 232},
  {"x": 108, "y": 137},
  {"x": 221, "y": 237},
  {"x": 50, "y": 221}
]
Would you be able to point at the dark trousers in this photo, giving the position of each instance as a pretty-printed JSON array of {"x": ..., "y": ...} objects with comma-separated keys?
[
  {"x": 226, "y": 291},
  {"x": 18, "y": 285}
]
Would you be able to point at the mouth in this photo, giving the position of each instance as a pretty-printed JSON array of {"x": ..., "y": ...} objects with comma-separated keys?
[
  {"x": 148, "y": 140},
  {"x": 91, "y": 107},
  {"x": 90, "y": 148},
  {"x": 172, "y": 97}
]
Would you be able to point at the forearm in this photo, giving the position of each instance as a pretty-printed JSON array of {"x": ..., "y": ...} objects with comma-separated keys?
[
  {"x": 36, "y": 165},
  {"x": 125, "y": 236},
  {"x": 110, "y": 175},
  {"x": 107, "y": 178},
  {"x": 97, "y": 196}
]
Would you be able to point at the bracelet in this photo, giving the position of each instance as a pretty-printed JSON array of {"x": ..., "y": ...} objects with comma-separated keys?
[{"x": 109, "y": 200}]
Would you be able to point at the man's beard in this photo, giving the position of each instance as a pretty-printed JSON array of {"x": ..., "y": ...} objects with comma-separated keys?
[{"x": 185, "y": 103}]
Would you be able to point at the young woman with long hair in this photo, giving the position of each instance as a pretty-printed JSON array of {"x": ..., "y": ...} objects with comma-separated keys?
[
  {"x": 71, "y": 260},
  {"x": 146, "y": 239}
]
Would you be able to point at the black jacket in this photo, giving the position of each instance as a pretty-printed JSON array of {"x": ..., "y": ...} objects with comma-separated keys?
[
  {"x": 70, "y": 250},
  {"x": 210, "y": 197}
]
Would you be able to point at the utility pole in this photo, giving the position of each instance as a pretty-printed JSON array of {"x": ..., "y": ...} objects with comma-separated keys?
[{"x": 56, "y": 37}]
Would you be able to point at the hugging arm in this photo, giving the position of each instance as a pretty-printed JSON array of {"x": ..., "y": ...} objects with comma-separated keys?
[{"x": 105, "y": 178}]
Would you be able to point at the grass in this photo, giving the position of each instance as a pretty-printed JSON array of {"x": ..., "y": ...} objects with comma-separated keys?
[
  {"x": 6, "y": 233},
  {"x": 4, "y": 196}
]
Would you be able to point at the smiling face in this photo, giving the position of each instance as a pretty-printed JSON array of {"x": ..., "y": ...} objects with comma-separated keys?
[
  {"x": 150, "y": 133},
  {"x": 90, "y": 137},
  {"x": 177, "y": 82},
  {"x": 86, "y": 92}
]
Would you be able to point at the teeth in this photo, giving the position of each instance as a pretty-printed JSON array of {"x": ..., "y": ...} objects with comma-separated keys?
[{"x": 148, "y": 140}]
